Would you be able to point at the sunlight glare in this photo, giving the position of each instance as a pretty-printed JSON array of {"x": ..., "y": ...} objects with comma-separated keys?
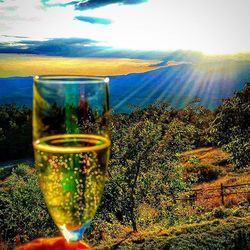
[{"x": 171, "y": 25}]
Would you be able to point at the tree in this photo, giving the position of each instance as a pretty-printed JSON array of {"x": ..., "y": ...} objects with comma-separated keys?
[
  {"x": 199, "y": 117},
  {"x": 143, "y": 161},
  {"x": 231, "y": 129},
  {"x": 15, "y": 132}
]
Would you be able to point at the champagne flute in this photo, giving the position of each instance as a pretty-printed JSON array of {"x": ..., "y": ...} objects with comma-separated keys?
[{"x": 71, "y": 146}]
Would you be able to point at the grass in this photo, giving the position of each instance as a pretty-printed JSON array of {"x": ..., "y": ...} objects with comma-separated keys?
[
  {"x": 212, "y": 164},
  {"x": 231, "y": 233},
  {"x": 204, "y": 225},
  {"x": 207, "y": 156}
]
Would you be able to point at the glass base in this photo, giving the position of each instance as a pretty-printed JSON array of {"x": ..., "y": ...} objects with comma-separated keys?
[{"x": 74, "y": 235}]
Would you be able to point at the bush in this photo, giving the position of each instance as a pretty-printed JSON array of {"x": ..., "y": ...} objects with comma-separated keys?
[
  {"x": 15, "y": 132},
  {"x": 205, "y": 173},
  {"x": 23, "y": 213},
  {"x": 194, "y": 160},
  {"x": 219, "y": 213},
  {"x": 4, "y": 172}
]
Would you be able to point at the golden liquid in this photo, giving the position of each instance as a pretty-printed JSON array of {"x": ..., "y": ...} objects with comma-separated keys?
[{"x": 72, "y": 173}]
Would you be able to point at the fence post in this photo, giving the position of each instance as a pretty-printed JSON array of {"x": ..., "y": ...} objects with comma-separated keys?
[
  {"x": 222, "y": 193},
  {"x": 193, "y": 198},
  {"x": 172, "y": 195}
]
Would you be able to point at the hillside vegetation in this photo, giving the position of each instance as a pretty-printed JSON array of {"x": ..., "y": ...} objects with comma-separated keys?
[
  {"x": 159, "y": 155},
  {"x": 231, "y": 233}
]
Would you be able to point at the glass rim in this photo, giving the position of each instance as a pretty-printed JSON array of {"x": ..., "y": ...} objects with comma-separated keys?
[
  {"x": 71, "y": 150},
  {"x": 70, "y": 79}
]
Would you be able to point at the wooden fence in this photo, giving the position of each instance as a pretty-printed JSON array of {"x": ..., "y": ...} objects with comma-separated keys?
[{"x": 222, "y": 192}]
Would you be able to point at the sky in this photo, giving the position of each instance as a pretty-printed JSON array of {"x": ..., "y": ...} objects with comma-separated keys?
[{"x": 111, "y": 28}]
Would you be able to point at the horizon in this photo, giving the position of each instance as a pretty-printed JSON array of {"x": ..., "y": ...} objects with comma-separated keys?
[{"x": 19, "y": 64}]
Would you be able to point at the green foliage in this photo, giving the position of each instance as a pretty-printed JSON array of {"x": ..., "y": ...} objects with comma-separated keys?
[
  {"x": 219, "y": 213},
  {"x": 233, "y": 233},
  {"x": 205, "y": 173},
  {"x": 180, "y": 136},
  {"x": 102, "y": 229},
  {"x": 199, "y": 117},
  {"x": 194, "y": 160},
  {"x": 143, "y": 165},
  {"x": 231, "y": 127},
  {"x": 222, "y": 212},
  {"x": 4, "y": 172},
  {"x": 23, "y": 214},
  {"x": 15, "y": 132},
  {"x": 143, "y": 171}
]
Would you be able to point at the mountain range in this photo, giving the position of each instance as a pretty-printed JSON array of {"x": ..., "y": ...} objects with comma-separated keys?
[{"x": 177, "y": 84}]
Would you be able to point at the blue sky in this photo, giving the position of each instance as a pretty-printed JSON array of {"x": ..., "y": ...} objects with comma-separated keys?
[{"x": 126, "y": 27}]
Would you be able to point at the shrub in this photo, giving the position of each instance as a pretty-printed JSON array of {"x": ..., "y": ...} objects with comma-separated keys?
[
  {"x": 205, "y": 173},
  {"x": 219, "y": 213},
  {"x": 240, "y": 211},
  {"x": 23, "y": 213},
  {"x": 15, "y": 132},
  {"x": 194, "y": 160},
  {"x": 4, "y": 172}
]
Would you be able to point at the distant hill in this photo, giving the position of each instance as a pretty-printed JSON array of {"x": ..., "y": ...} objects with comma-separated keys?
[
  {"x": 16, "y": 90},
  {"x": 177, "y": 84},
  {"x": 180, "y": 84}
]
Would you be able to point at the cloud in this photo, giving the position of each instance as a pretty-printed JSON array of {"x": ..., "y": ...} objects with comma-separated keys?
[
  {"x": 60, "y": 3},
  {"x": 93, "y": 20},
  {"x": 79, "y": 47},
  {"x": 71, "y": 47},
  {"x": 34, "y": 20},
  {"x": 198, "y": 25},
  {"x": 92, "y": 4},
  {"x": 16, "y": 36},
  {"x": 88, "y": 4}
]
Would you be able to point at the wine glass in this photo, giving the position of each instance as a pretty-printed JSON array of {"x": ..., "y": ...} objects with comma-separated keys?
[{"x": 71, "y": 146}]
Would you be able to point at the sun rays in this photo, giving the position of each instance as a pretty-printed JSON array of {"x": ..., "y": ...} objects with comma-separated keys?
[{"x": 206, "y": 81}]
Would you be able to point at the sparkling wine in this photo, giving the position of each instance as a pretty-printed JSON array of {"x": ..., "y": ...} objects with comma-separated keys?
[{"x": 72, "y": 173}]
